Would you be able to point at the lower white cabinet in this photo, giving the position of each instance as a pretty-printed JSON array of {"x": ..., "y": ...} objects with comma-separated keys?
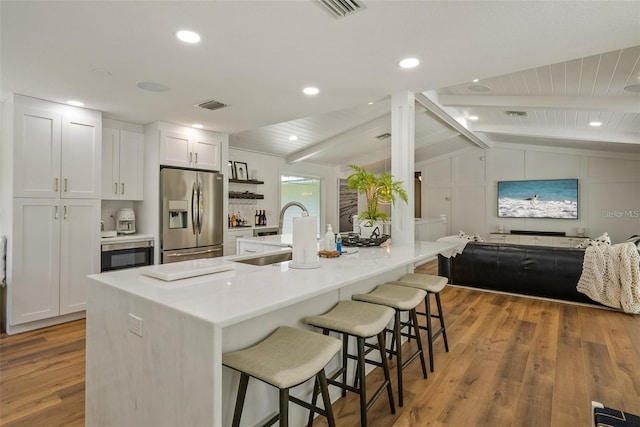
[{"x": 56, "y": 245}]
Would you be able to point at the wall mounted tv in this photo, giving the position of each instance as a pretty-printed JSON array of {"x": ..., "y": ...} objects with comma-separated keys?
[{"x": 543, "y": 198}]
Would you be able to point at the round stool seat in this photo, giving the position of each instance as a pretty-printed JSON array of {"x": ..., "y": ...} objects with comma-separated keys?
[
  {"x": 286, "y": 358},
  {"x": 394, "y": 296},
  {"x": 354, "y": 318},
  {"x": 426, "y": 282}
]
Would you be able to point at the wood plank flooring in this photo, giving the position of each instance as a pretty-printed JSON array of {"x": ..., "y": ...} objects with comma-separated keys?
[{"x": 513, "y": 361}]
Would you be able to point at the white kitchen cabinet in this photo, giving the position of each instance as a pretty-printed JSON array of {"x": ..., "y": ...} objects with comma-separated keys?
[
  {"x": 57, "y": 150},
  {"x": 122, "y": 164},
  {"x": 56, "y": 245},
  {"x": 190, "y": 150}
]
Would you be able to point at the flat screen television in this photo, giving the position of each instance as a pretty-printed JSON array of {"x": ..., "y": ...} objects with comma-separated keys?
[{"x": 542, "y": 198}]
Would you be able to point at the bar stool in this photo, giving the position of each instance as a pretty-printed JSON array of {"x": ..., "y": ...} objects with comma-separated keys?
[
  {"x": 401, "y": 299},
  {"x": 285, "y": 359},
  {"x": 362, "y": 321},
  {"x": 432, "y": 285}
]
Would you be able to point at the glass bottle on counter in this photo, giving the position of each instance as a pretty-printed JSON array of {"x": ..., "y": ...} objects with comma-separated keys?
[
  {"x": 256, "y": 220},
  {"x": 233, "y": 220}
]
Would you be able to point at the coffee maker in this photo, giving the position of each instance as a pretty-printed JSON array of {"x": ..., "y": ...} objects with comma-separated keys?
[{"x": 125, "y": 221}]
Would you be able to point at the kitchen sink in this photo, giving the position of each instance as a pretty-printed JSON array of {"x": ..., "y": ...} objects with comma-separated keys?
[{"x": 267, "y": 259}]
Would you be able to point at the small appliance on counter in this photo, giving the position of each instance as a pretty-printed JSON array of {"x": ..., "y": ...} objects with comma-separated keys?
[{"x": 125, "y": 221}]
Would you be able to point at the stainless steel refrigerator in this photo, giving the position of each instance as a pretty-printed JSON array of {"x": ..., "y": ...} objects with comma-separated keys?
[{"x": 191, "y": 221}]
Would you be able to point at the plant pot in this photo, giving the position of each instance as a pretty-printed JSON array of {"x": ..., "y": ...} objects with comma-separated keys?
[{"x": 367, "y": 227}]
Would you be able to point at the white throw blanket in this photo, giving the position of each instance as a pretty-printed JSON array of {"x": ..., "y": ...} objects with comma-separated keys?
[
  {"x": 460, "y": 245},
  {"x": 611, "y": 276}
]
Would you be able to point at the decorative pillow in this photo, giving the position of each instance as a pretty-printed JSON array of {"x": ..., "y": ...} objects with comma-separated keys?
[
  {"x": 604, "y": 239},
  {"x": 475, "y": 238}
]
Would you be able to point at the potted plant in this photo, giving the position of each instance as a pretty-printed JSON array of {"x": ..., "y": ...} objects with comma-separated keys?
[{"x": 377, "y": 189}]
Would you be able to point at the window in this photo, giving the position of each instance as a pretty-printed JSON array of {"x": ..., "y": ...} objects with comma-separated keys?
[{"x": 302, "y": 189}]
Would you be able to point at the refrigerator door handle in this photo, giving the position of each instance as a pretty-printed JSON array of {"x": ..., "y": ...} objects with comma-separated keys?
[
  {"x": 194, "y": 223},
  {"x": 200, "y": 207}
]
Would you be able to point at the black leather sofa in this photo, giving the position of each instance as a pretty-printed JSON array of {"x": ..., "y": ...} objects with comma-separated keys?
[{"x": 529, "y": 270}]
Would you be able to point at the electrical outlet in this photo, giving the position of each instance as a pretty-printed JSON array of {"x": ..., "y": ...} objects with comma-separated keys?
[{"x": 134, "y": 324}]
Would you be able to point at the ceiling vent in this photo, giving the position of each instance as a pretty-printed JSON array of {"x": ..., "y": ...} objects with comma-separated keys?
[
  {"x": 212, "y": 105},
  {"x": 341, "y": 8},
  {"x": 513, "y": 113},
  {"x": 384, "y": 136}
]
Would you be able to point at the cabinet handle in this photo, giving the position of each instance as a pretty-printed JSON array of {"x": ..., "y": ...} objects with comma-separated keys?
[
  {"x": 251, "y": 250},
  {"x": 55, "y": 215},
  {"x": 196, "y": 157},
  {"x": 115, "y": 188},
  {"x": 122, "y": 188},
  {"x": 56, "y": 183},
  {"x": 65, "y": 212},
  {"x": 66, "y": 185},
  {"x": 190, "y": 156}
]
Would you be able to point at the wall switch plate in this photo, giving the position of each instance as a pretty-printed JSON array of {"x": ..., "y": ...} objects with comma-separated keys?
[{"x": 134, "y": 324}]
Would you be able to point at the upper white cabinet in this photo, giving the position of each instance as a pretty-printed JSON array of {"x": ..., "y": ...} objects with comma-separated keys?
[
  {"x": 57, "y": 150},
  {"x": 122, "y": 164},
  {"x": 188, "y": 150}
]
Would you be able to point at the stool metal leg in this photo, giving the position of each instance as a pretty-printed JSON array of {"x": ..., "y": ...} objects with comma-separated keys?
[
  {"x": 324, "y": 389},
  {"x": 242, "y": 392},
  {"x": 427, "y": 303},
  {"x": 284, "y": 407},
  {"x": 396, "y": 335},
  {"x": 414, "y": 318},
  {"x": 442, "y": 327},
  {"x": 385, "y": 370},
  {"x": 362, "y": 381}
]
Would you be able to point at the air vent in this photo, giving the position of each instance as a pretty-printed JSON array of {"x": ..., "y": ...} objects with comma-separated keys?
[
  {"x": 212, "y": 105},
  {"x": 512, "y": 113},
  {"x": 341, "y": 8},
  {"x": 384, "y": 136}
]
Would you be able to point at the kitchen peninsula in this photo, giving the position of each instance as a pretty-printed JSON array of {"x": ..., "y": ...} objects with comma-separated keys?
[{"x": 154, "y": 347}]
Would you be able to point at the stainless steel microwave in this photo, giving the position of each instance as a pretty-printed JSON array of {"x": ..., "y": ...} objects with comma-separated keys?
[{"x": 116, "y": 256}]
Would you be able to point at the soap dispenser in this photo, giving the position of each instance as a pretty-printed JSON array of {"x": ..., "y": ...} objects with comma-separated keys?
[{"x": 329, "y": 240}]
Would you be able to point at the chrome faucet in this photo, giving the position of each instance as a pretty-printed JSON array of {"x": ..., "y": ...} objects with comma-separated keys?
[{"x": 284, "y": 208}]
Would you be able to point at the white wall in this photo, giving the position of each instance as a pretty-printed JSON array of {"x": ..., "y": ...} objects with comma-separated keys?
[{"x": 464, "y": 186}]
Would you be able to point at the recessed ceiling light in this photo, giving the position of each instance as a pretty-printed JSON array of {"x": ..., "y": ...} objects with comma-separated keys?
[
  {"x": 633, "y": 88},
  {"x": 474, "y": 118},
  {"x": 409, "y": 63},
  {"x": 311, "y": 91},
  {"x": 153, "y": 86},
  {"x": 103, "y": 72},
  {"x": 188, "y": 36},
  {"x": 75, "y": 103},
  {"x": 293, "y": 138},
  {"x": 197, "y": 126},
  {"x": 370, "y": 103},
  {"x": 595, "y": 124},
  {"x": 475, "y": 80}
]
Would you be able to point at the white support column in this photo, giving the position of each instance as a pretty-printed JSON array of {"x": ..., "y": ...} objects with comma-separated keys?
[{"x": 402, "y": 164}]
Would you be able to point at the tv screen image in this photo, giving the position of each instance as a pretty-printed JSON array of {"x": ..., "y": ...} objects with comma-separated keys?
[{"x": 544, "y": 198}]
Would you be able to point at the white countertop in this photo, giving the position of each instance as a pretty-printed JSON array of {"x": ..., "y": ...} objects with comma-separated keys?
[
  {"x": 248, "y": 291},
  {"x": 122, "y": 238}
]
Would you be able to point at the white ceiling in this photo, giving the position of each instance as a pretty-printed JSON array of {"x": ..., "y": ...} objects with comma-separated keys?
[{"x": 257, "y": 56}]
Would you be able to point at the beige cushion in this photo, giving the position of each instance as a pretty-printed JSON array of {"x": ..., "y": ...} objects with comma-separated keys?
[
  {"x": 426, "y": 282},
  {"x": 394, "y": 296},
  {"x": 355, "y": 318},
  {"x": 286, "y": 358}
]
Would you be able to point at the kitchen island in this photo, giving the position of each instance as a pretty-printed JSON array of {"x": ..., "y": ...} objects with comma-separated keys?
[{"x": 154, "y": 347}]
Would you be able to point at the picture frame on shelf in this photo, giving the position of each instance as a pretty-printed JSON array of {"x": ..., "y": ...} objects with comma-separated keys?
[
  {"x": 240, "y": 169},
  {"x": 232, "y": 170}
]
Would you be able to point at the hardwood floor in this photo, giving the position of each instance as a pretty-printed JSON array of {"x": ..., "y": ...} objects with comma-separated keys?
[{"x": 513, "y": 361}]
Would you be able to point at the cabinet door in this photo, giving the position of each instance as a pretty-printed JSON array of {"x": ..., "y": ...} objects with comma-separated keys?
[
  {"x": 81, "y": 164},
  {"x": 110, "y": 164},
  {"x": 206, "y": 153},
  {"x": 131, "y": 165},
  {"x": 34, "y": 290},
  {"x": 79, "y": 251},
  {"x": 175, "y": 150},
  {"x": 37, "y": 153}
]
